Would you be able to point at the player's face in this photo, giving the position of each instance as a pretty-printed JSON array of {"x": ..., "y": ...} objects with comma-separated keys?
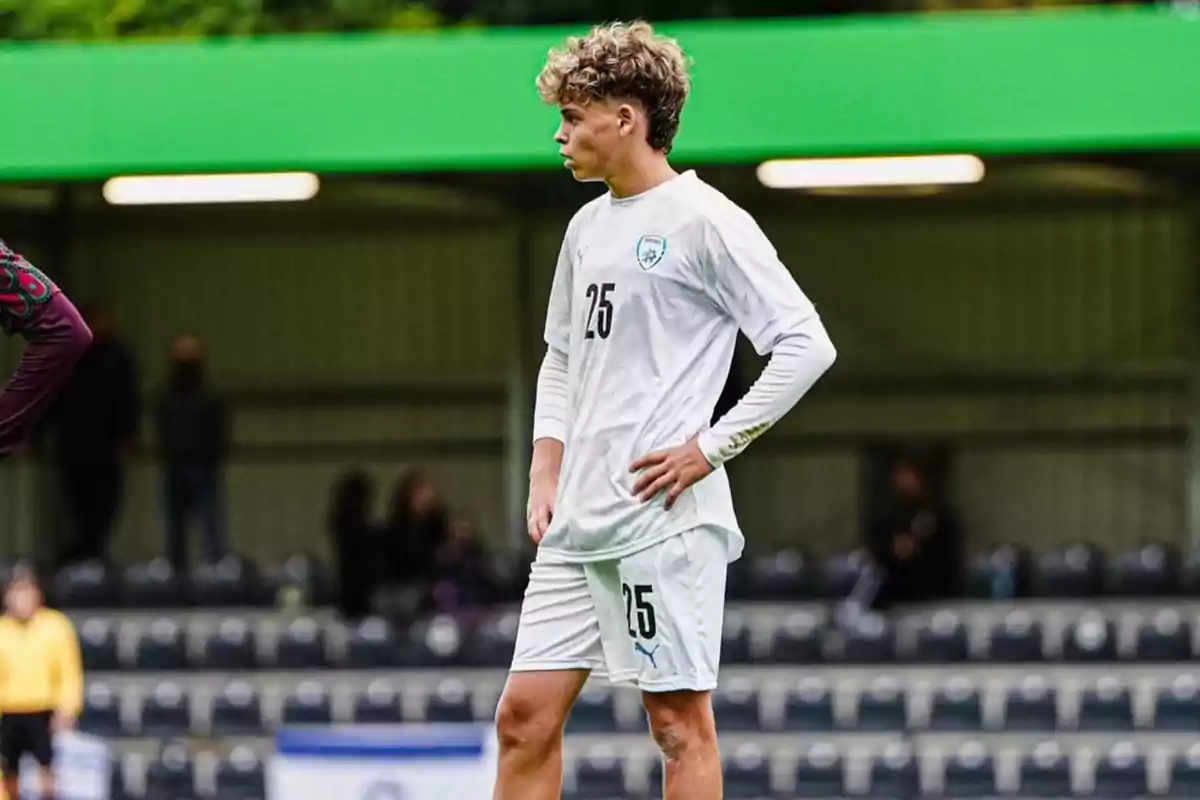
[
  {"x": 22, "y": 599},
  {"x": 590, "y": 137}
]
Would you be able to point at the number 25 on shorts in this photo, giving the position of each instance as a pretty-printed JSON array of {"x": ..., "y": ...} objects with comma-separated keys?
[{"x": 639, "y": 607}]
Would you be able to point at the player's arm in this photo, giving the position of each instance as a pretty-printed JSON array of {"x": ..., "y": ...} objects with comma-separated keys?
[
  {"x": 552, "y": 404},
  {"x": 57, "y": 336},
  {"x": 747, "y": 280},
  {"x": 70, "y": 677}
]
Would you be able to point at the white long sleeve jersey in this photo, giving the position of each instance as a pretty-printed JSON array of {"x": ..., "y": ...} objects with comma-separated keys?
[{"x": 648, "y": 296}]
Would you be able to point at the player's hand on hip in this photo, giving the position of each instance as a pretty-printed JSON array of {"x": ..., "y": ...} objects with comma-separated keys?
[
  {"x": 542, "y": 492},
  {"x": 672, "y": 471},
  {"x": 62, "y": 721}
]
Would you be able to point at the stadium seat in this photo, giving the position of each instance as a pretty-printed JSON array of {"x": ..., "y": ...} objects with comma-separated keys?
[
  {"x": 969, "y": 771},
  {"x": 301, "y": 645},
  {"x": 229, "y": 583},
  {"x": 1076, "y": 572},
  {"x": 599, "y": 775},
  {"x": 1032, "y": 705},
  {"x": 841, "y": 573},
  {"x": 882, "y": 707},
  {"x": 378, "y": 705},
  {"x": 1045, "y": 772},
  {"x": 821, "y": 772},
  {"x": 809, "y": 707},
  {"x": 736, "y": 706},
  {"x": 1165, "y": 637},
  {"x": 171, "y": 776},
  {"x": 735, "y": 639},
  {"x": 1177, "y": 705},
  {"x": 302, "y": 574},
  {"x": 493, "y": 643},
  {"x": 783, "y": 576},
  {"x": 240, "y": 776},
  {"x": 868, "y": 639},
  {"x": 1106, "y": 706},
  {"x": 231, "y": 647},
  {"x": 372, "y": 645},
  {"x": 440, "y": 642},
  {"x": 162, "y": 647},
  {"x": 943, "y": 640},
  {"x": 1092, "y": 638},
  {"x": 450, "y": 702},
  {"x": 1152, "y": 571},
  {"x": 101, "y": 710},
  {"x": 153, "y": 585},
  {"x": 1000, "y": 574},
  {"x": 748, "y": 773},
  {"x": 798, "y": 640},
  {"x": 166, "y": 711},
  {"x": 98, "y": 645},
  {"x": 237, "y": 711},
  {"x": 117, "y": 790},
  {"x": 1017, "y": 638},
  {"x": 86, "y": 585},
  {"x": 1185, "y": 773},
  {"x": 307, "y": 704},
  {"x": 1121, "y": 773},
  {"x": 594, "y": 711},
  {"x": 895, "y": 772},
  {"x": 957, "y": 705}
]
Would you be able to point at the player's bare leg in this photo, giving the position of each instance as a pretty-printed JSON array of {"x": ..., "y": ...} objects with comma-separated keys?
[
  {"x": 529, "y": 730},
  {"x": 12, "y": 784},
  {"x": 683, "y": 726}
]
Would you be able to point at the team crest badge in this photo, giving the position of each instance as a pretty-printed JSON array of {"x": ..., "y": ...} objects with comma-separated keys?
[{"x": 650, "y": 251}]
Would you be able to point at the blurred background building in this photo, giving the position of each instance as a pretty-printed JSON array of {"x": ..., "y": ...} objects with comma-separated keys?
[{"x": 300, "y": 399}]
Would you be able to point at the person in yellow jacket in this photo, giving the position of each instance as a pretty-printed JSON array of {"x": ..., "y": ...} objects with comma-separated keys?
[{"x": 41, "y": 681}]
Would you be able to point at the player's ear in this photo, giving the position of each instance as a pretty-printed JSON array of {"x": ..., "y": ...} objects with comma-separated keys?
[{"x": 626, "y": 118}]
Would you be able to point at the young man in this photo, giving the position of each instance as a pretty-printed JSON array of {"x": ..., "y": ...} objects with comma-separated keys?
[
  {"x": 629, "y": 503},
  {"x": 41, "y": 682},
  {"x": 32, "y": 306}
]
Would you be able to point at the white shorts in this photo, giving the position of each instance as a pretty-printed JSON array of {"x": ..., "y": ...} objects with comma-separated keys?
[{"x": 651, "y": 620}]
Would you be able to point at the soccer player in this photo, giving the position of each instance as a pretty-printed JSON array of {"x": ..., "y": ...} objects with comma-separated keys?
[
  {"x": 41, "y": 682},
  {"x": 32, "y": 306},
  {"x": 628, "y": 499}
]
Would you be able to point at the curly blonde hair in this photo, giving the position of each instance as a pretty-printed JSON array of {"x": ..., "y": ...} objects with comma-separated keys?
[{"x": 626, "y": 61}]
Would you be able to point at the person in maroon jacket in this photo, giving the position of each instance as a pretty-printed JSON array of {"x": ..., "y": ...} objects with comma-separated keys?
[{"x": 34, "y": 308}]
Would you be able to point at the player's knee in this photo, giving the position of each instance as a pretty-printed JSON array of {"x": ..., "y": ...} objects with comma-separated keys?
[
  {"x": 678, "y": 727},
  {"x": 524, "y": 725}
]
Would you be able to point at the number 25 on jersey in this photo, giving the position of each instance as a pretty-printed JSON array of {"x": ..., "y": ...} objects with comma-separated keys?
[{"x": 600, "y": 310}]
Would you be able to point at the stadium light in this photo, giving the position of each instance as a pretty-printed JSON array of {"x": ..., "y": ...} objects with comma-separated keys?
[
  {"x": 847, "y": 173},
  {"x": 187, "y": 189}
]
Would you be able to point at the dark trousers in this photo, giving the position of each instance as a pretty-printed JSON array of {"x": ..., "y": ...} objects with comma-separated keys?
[
  {"x": 91, "y": 494},
  {"x": 193, "y": 491}
]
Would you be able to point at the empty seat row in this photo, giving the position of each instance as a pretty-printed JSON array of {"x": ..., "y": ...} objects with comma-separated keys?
[
  {"x": 802, "y": 637},
  {"x": 238, "y": 709},
  {"x": 304, "y": 643},
  {"x": 170, "y": 708},
  {"x": 178, "y": 775},
  {"x": 819, "y": 770},
  {"x": 1081, "y": 571},
  {"x": 971, "y": 770},
  {"x": 1078, "y": 571}
]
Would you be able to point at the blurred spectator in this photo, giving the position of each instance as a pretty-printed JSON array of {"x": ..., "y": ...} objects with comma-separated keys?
[
  {"x": 93, "y": 424},
  {"x": 354, "y": 542},
  {"x": 194, "y": 435},
  {"x": 417, "y": 527},
  {"x": 917, "y": 542},
  {"x": 462, "y": 571}
]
